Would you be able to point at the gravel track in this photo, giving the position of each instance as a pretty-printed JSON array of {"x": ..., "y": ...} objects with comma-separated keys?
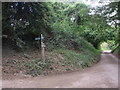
[{"x": 102, "y": 75}]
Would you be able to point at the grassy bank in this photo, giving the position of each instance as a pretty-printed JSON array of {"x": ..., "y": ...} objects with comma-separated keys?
[
  {"x": 62, "y": 54},
  {"x": 60, "y": 60},
  {"x": 116, "y": 51}
]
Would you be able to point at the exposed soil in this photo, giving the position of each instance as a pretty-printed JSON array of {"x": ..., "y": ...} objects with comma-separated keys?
[
  {"x": 102, "y": 75},
  {"x": 22, "y": 64},
  {"x": 12, "y": 62}
]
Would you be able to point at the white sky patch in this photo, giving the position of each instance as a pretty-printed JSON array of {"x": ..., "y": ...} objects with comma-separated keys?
[
  {"x": 113, "y": 14},
  {"x": 95, "y": 3}
]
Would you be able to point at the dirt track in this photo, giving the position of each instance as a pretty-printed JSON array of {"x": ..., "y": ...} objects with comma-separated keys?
[{"x": 102, "y": 75}]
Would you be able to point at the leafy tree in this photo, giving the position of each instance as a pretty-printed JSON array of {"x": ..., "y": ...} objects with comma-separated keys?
[
  {"x": 111, "y": 14},
  {"x": 75, "y": 18},
  {"x": 59, "y": 19},
  {"x": 20, "y": 18}
]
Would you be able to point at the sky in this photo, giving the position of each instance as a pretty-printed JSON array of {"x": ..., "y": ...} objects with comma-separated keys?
[{"x": 95, "y": 3}]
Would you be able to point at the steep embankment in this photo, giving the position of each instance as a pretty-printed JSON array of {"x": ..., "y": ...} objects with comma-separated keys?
[
  {"x": 102, "y": 75},
  {"x": 116, "y": 51},
  {"x": 75, "y": 55}
]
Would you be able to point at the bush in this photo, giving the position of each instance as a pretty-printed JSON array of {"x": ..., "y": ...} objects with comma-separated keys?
[{"x": 36, "y": 67}]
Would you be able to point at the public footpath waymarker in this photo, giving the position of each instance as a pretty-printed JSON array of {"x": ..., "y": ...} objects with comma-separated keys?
[{"x": 40, "y": 39}]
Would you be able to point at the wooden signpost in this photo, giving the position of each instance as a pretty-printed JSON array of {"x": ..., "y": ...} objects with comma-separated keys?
[
  {"x": 40, "y": 40},
  {"x": 42, "y": 48}
]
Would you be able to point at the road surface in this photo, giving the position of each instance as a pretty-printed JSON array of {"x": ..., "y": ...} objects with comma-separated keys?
[{"x": 102, "y": 75}]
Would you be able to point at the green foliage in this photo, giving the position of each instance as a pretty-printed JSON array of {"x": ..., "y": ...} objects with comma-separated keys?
[
  {"x": 79, "y": 22},
  {"x": 70, "y": 32},
  {"x": 111, "y": 13},
  {"x": 116, "y": 51},
  {"x": 64, "y": 57},
  {"x": 112, "y": 45},
  {"x": 77, "y": 59},
  {"x": 104, "y": 46},
  {"x": 37, "y": 67},
  {"x": 22, "y": 18},
  {"x": 52, "y": 19}
]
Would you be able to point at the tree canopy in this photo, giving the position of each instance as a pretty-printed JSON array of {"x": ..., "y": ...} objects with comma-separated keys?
[{"x": 54, "y": 19}]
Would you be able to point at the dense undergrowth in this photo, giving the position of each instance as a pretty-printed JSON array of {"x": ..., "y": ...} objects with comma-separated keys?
[
  {"x": 66, "y": 53},
  {"x": 64, "y": 56},
  {"x": 61, "y": 60},
  {"x": 116, "y": 51},
  {"x": 70, "y": 44}
]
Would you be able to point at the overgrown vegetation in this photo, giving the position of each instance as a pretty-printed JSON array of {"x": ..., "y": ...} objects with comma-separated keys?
[
  {"x": 116, "y": 51},
  {"x": 60, "y": 60},
  {"x": 64, "y": 59},
  {"x": 73, "y": 33},
  {"x": 22, "y": 22}
]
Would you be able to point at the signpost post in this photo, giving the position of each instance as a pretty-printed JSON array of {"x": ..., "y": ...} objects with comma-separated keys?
[
  {"x": 40, "y": 40},
  {"x": 42, "y": 48}
]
